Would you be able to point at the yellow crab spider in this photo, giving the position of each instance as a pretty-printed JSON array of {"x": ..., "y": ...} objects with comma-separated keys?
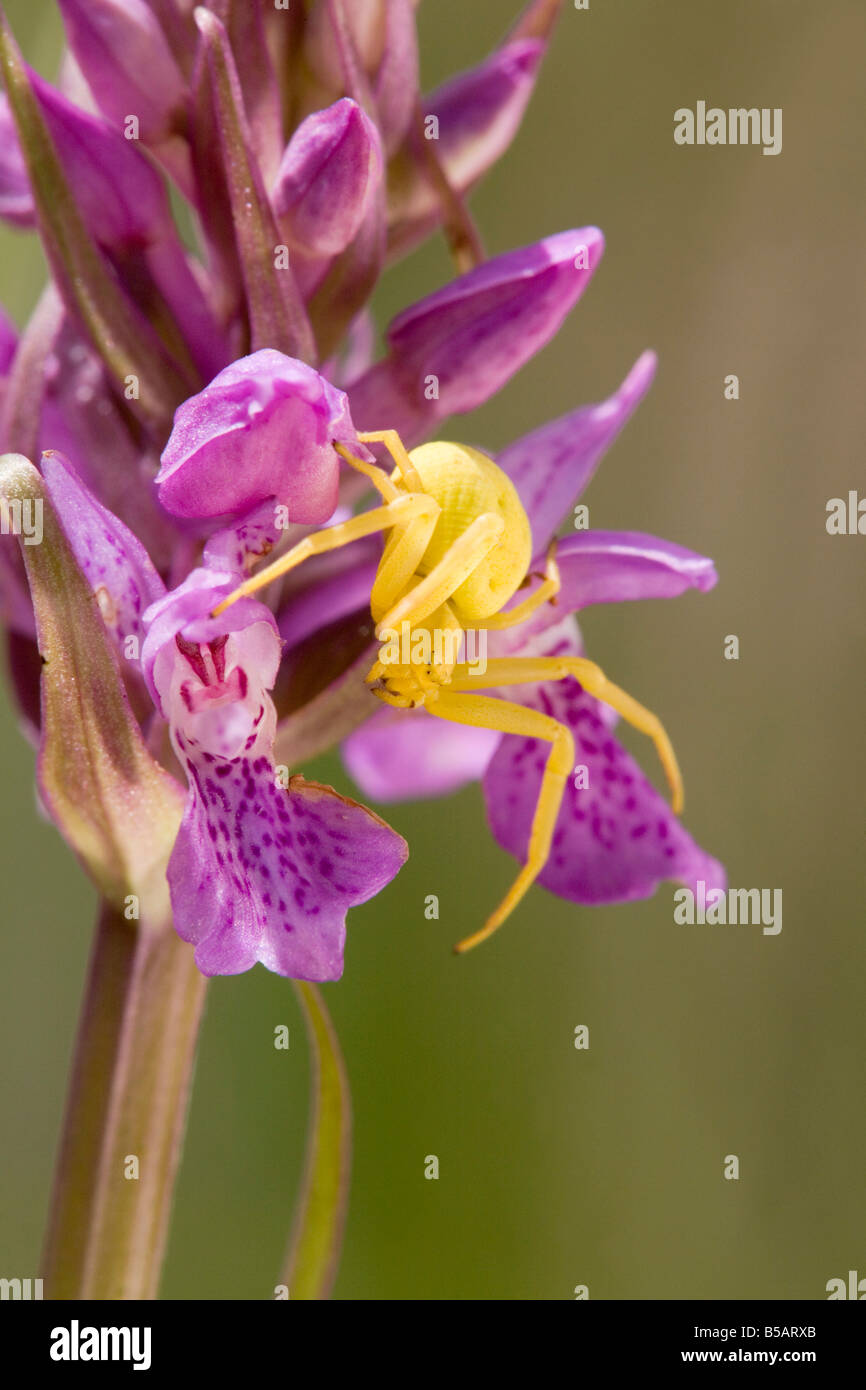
[{"x": 458, "y": 549}]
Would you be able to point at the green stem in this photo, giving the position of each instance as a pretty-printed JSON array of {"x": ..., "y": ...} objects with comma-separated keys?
[
  {"x": 127, "y": 1101},
  {"x": 314, "y": 1250}
]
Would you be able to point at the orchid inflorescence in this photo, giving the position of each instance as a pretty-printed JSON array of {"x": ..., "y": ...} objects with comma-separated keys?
[{"x": 198, "y": 411}]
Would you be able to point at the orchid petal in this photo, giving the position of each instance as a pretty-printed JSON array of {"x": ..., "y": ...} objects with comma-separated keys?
[
  {"x": 329, "y": 198},
  {"x": 261, "y": 871},
  {"x": 78, "y": 416},
  {"x": 16, "y": 199},
  {"x": 615, "y": 839},
  {"x": 117, "y": 189},
  {"x": 611, "y": 567},
  {"x": 124, "y": 204},
  {"x": 400, "y": 755},
  {"x": 551, "y": 466},
  {"x": 186, "y": 611},
  {"x": 113, "y": 561},
  {"x": 275, "y": 881},
  {"x": 329, "y": 171},
  {"x": 616, "y": 566},
  {"x": 328, "y": 587},
  {"x": 478, "y": 114},
  {"x": 471, "y": 336},
  {"x": 8, "y": 343},
  {"x": 236, "y": 547},
  {"x": 127, "y": 63},
  {"x": 124, "y": 338},
  {"x": 262, "y": 429},
  {"x": 395, "y": 84}
]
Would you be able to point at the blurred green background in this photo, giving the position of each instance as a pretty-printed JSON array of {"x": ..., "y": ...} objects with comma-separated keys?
[{"x": 602, "y": 1167}]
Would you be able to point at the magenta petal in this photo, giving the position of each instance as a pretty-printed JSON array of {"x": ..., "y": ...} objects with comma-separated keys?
[
  {"x": 126, "y": 60},
  {"x": 126, "y": 209},
  {"x": 616, "y": 839},
  {"x": 329, "y": 587},
  {"x": 456, "y": 348},
  {"x": 400, "y": 755},
  {"x": 186, "y": 611},
  {"x": 114, "y": 562},
  {"x": 525, "y": 292},
  {"x": 16, "y": 605},
  {"x": 263, "y": 428},
  {"x": 117, "y": 189},
  {"x": 8, "y": 343},
  {"x": 80, "y": 419},
  {"x": 328, "y": 172},
  {"x": 261, "y": 873},
  {"x": 551, "y": 467},
  {"x": 251, "y": 538},
  {"x": 480, "y": 111},
  {"x": 615, "y": 566},
  {"x": 16, "y": 200},
  {"x": 612, "y": 567},
  {"x": 356, "y": 353},
  {"x": 395, "y": 85}
]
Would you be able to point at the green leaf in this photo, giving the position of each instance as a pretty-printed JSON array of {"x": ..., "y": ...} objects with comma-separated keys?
[
  {"x": 278, "y": 318},
  {"x": 317, "y": 1238},
  {"x": 122, "y": 337},
  {"x": 116, "y": 807}
]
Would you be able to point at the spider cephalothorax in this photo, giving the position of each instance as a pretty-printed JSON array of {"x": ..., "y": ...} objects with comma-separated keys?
[{"x": 458, "y": 550}]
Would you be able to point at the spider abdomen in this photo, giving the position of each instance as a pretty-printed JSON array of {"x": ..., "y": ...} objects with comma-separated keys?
[{"x": 467, "y": 484}]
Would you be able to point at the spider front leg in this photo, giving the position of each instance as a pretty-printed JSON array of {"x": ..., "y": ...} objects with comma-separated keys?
[
  {"x": 414, "y": 513},
  {"x": 399, "y": 453},
  {"x": 377, "y": 476},
  {"x": 485, "y": 712},
  {"x": 522, "y": 670},
  {"x": 464, "y": 556},
  {"x": 545, "y": 593}
]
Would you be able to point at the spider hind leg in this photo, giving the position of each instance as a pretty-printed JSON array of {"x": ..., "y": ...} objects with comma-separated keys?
[
  {"x": 486, "y": 712},
  {"x": 522, "y": 670}
]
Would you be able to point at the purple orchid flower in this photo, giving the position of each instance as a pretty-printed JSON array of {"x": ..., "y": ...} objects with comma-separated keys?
[
  {"x": 190, "y": 404},
  {"x": 263, "y": 869},
  {"x": 265, "y": 866}
]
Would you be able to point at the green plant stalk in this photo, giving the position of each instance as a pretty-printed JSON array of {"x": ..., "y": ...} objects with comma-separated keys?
[
  {"x": 317, "y": 1237},
  {"x": 127, "y": 1102}
]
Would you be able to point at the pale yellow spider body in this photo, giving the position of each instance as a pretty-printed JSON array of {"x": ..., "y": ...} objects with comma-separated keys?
[
  {"x": 458, "y": 549},
  {"x": 468, "y": 485}
]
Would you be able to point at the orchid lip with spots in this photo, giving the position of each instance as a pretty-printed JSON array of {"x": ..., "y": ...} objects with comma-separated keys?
[{"x": 244, "y": 504}]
